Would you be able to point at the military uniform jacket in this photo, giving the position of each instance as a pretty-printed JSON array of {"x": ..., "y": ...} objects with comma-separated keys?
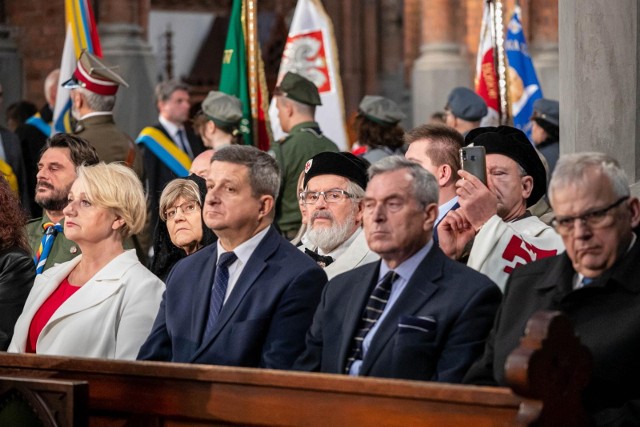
[
  {"x": 303, "y": 142},
  {"x": 63, "y": 249},
  {"x": 111, "y": 143}
]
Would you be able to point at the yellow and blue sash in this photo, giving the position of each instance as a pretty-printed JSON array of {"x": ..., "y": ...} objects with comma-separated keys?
[
  {"x": 37, "y": 122},
  {"x": 165, "y": 149}
]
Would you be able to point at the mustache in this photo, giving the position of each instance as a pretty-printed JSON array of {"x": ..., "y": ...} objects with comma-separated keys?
[
  {"x": 322, "y": 214},
  {"x": 45, "y": 185}
]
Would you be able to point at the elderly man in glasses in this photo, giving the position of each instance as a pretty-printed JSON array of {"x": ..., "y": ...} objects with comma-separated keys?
[
  {"x": 595, "y": 283},
  {"x": 334, "y": 186}
]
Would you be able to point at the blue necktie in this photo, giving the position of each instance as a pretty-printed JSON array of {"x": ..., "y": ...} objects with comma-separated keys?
[
  {"x": 372, "y": 312},
  {"x": 219, "y": 290},
  {"x": 182, "y": 140},
  {"x": 586, "y": 281},
  {"x": 50, "y": 232}
]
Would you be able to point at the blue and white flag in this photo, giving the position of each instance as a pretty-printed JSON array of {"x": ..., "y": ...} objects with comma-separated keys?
[{"x": 524, "y": 87}]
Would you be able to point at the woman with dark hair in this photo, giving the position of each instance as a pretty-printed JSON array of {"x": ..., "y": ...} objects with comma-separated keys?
[
  {"x": 377, "y": 128},
  {"x": 17, "y": 270},
  {"x": 181, "y": 230},
  {"x": 219, "y": 122}
]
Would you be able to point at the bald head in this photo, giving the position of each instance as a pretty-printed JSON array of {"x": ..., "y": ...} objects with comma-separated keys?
[
  {"x": 201, "y": 164},
  {"x": 51, "y": 86}
]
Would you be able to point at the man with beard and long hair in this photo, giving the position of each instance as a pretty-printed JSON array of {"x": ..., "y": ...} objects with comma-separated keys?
[
  {"x": 61, "y": 155},
  {"x": 334, "y": 186}
]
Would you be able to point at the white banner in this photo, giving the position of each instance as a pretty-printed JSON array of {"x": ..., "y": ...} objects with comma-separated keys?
[{"x": 311, "y": 52}]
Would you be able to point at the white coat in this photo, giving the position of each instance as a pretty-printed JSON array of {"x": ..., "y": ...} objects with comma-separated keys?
[{"x": 109, "y": 317}]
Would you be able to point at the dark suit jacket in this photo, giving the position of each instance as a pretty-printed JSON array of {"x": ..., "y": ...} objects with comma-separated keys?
[
  {"x": 462, "y": 301},
  {"x": 263, "y": 322},
  {"x": 605, "y": 315},
  {"x": 157, "y": 174},
  {"x": 17, "y": 273}
]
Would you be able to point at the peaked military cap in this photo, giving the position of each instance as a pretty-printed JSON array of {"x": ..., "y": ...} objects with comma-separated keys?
[
  {"x": 466, "y": 104},
  {"x": 381, "y": 110},
  {"x": 94, "y": 75},
  {"x": 222, "y": 109},
  {"x": 299, "y": 88},
  {"x": 547, "y": 110}
]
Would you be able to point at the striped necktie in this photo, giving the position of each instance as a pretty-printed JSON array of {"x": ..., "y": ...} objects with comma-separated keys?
[
  {"x": 370, "y": 315},
  {"x": 50, "y": 232},
  {"x": 219, "y": 290}
]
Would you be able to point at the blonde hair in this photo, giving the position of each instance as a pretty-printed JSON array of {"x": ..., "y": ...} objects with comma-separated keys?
[
  {"x": 115, "y": 186},
  {"x": 175, "y": 189}
]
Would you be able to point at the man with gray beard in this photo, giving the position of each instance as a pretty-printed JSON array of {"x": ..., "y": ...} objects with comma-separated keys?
[{"x": 334, "y": 186}]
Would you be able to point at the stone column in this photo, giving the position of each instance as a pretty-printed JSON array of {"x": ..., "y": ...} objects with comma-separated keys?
[
  {"x": 122, "y": 24},
  {"x": 10, "y": 72},
  {"x": 544, "y": 45},
  {"x": 441, "y": 65},
  {"x": 599, "y": 89}
]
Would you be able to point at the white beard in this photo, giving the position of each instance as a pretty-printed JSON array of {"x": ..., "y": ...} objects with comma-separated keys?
[{"x": 329, "y": 238}]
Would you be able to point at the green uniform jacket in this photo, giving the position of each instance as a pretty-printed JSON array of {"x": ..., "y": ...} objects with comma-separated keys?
[
  {"x": 303, "y": 142},
  {"x": 111, "y": 143},
  {"x": 63, "y": 250}
]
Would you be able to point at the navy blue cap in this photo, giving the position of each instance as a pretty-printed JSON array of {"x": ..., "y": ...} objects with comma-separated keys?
[
  {"x": 547, "y": 110},
  {"x": 466, "y": 104}
]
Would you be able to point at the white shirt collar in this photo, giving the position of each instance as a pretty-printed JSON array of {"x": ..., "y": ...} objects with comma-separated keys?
[
  {"x": 444, "y": 208},
  {"x": 244, "y": 250},
  {"x": 171, "y": 128}
]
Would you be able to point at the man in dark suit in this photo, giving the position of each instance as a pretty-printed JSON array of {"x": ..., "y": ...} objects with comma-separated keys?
[
  {"x": 595, "y": 283},
  {"x": 436, "y": 148},
  {"x": 414, "y": 315},
  {"x": 264, "y": 291},
  {"x": 162, "y": 165}
]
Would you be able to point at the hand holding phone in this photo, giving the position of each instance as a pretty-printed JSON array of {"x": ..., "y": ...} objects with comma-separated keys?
[{"x": 473, "y": 160}]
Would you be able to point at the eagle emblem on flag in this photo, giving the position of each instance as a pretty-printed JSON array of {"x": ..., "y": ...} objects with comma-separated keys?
[{"x": 304, "y": 54}]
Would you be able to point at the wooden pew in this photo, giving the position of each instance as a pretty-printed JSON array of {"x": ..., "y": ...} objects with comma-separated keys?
[{"x": 154, "y": 394}]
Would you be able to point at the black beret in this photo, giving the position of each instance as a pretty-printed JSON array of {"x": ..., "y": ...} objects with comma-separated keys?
[
  {"x": 466, "y": 104},
  {"x": 513, "y": 143},
  {"x": 347, "y": 165}
]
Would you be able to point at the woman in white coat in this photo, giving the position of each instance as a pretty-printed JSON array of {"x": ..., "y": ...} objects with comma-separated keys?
[{"x": 103, "y": 302}]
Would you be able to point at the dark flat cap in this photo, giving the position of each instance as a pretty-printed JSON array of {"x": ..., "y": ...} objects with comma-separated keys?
[
  {"x": 466, "y": 104},
  {"x": 298, "y": 88},
  {"x": 547, "y": 110},
  {"x": 381, "y": 110},
  {"x": 346, "y": 165},
  {"x": 513, "y": 143},
  {"x": 222, "y": 109}
]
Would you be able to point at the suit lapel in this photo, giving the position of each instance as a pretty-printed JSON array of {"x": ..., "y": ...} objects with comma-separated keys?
[
  {"x": 250, "y": 273},
  {"x": 416, "y": 294},
  {"x": 202, "y": 294},
  {"x": 355, "y": 303}
]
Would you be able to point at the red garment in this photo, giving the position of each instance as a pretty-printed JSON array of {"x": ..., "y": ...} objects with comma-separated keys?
[{"x": 46, "y": 310}]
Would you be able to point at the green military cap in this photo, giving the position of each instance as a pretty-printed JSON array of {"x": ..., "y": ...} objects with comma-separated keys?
[
  {"x": 298, "y": 88},
  {"x": 381, "y": 110},
  {"x": 93, "y": 74},
  {"x": 224, "y": 110}
]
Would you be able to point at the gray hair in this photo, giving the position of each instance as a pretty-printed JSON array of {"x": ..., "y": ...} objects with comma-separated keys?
[
  {"x": 574, "y": 169},
  {"x": 425, "y": 186},
  {"x": 264, "y": 174},
  {"x": 179, "y": 187},
  {"x": 165, "y": 89},
  {"x": 97, "y": 102}
]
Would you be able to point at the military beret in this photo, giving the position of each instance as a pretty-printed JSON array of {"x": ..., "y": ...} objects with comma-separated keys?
[
  {"x": 298, "y": 88},
  {"x": 94, "y": 75},
  {"x": 224, "y": 110},
  {"x": 380, "y": 110},
  {"x": 547, "y": 110},
  {"x": 466, "y": 104},
  {"x": 346, "y": 165},
  {"x": 513, "y": 143}
]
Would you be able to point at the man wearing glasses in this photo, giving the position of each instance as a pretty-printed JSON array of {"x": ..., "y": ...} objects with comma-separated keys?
[
  {"x": 334, "y": 186},
  {"x": 595, "y": 283}
]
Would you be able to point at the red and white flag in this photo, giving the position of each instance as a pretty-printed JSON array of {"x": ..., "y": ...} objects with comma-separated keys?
[
  {"x": 311, "y": 52},
  {"x": 487, "y": 80}
]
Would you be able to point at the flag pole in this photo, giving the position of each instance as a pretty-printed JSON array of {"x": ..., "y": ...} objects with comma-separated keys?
[
  {"x": 251, "y": 14},
  {"x": 503, "y": 84}
]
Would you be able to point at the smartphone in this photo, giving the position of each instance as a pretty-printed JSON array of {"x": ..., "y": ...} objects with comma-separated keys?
[{"x": 473, "y": 160}]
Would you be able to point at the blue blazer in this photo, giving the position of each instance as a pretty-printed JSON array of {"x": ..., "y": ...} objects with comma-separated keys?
[
  {"x": 262, "y": 323},
  {"x": 461, "y": 302}
]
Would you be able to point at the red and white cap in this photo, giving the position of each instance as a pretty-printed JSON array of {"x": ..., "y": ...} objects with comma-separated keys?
[{"x": 92, "y": 74}]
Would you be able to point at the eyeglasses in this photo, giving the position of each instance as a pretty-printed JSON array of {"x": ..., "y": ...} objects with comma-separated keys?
[
  {"x": 331, "y": 196},
  {"x": 593, "y": 219},
  {"x": 187, "y": 208}
]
